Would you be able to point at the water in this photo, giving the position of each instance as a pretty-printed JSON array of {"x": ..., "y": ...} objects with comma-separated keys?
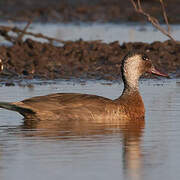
[
  {"x": 105, "y": 32},
  {"x": 145, "y": 151}
]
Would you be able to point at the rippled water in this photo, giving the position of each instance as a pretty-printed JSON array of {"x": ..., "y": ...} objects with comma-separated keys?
[{"x": 146, "y": 150}]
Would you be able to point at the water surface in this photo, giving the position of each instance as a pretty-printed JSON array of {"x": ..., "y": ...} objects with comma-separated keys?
[
  {"x": 145, "y": 150},
  {"x": 96, "y": 31}
]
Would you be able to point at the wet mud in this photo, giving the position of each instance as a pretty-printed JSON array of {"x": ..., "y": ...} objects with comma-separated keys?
[
  {"x": 81, "y": 59},
  {"x": 85, "y": 10}
]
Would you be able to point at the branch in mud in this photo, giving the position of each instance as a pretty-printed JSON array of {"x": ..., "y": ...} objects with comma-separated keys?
[
  {"x": 4, "y": 30},
  {"x": 19, "y": 38},
  {"x": 138, "y": 8}
]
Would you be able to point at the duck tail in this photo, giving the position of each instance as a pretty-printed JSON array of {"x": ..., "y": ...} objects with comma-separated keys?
[{"x": 14, "y": 107}]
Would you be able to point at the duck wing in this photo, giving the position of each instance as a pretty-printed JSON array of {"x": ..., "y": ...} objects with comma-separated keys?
[
  {"x": 64, "y": 100},
  {"x": 66, "y": 105}
]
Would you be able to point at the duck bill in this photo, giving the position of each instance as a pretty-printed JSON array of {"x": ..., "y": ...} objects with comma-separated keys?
[{"x": 157, "y": 72}]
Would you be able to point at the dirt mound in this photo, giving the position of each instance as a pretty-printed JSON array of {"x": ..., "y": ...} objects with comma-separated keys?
[
  {"x": 89, "y": 60},
  {"x": 85, "y": 10}
]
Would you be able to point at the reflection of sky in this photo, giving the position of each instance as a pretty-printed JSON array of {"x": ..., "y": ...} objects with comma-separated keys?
[
  {"x": 104, "y": 32},
  {"x": 100, "y": 157}
]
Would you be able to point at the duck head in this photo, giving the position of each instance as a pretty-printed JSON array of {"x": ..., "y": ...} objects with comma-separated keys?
[{"x": 134, "y": 65}]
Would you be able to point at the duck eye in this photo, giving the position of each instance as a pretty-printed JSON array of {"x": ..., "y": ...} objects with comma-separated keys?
[{"x": 145, "y": 57}]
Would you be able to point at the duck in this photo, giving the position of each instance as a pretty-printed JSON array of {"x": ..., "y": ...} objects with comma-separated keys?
[{"x": 92, "y": 108}]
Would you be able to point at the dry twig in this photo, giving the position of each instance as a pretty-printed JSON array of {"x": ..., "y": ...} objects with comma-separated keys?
[
  {"x": 4, "y": 30},
  {"x": 19, "y": 38},
  {"x": 138, "y": 8},
  {"x": 165, "y": 15}
]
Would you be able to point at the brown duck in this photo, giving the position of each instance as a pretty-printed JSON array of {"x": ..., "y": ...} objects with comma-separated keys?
[{"x": 73, "y": 106}]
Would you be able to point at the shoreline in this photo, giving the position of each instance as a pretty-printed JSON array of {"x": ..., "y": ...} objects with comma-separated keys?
[{"x": 82, "y": 59}]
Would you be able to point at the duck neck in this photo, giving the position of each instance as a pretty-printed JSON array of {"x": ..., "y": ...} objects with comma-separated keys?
[{"x": 130, "y": 86}]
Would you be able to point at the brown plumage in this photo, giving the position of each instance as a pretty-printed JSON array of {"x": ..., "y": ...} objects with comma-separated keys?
[{"x": 71, "y": 106}]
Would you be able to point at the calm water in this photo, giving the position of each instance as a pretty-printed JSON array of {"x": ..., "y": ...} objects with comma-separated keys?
[
  {"x": 105, "y": 32},
  {"x": 145, "y": 151}
]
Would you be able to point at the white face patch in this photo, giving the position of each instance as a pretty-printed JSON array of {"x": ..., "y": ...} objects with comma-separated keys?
[
  {"x": 1, "y": 65},
  {"x": 132, "y": 70}
]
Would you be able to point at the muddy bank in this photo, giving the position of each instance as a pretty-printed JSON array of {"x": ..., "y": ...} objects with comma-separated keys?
[
  {"x": 85, "y": 10},
  {"x": 81, "y": 59}
]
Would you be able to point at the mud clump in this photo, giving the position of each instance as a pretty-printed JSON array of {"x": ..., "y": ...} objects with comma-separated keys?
[{"x": 82, "y": 59}]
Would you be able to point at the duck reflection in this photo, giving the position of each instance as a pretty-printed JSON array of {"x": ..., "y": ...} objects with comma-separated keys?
[
  {"x": 132, "y": 156},
  {"x": 131, "y": 132}
]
